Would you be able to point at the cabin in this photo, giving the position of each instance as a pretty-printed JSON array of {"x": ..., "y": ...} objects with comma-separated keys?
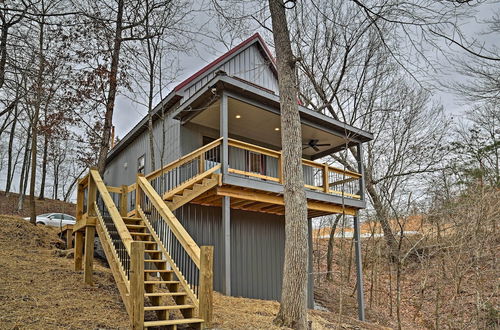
[{"x": 217, "y": 178}]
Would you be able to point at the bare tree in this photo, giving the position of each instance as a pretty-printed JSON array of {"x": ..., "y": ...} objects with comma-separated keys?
[{"x": 293, "y": 306}]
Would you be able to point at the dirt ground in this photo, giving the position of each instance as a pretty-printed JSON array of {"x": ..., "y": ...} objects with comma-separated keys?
[
  {"x": 9, "y": 202},
  {"x": 40, "y": 290}
]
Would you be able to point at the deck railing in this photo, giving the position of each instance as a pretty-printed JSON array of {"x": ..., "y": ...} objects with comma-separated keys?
[
  {"x": 179, "y": 248},
  {"x": 266, "y": 164},
  {"x": 248, "y": 160}
]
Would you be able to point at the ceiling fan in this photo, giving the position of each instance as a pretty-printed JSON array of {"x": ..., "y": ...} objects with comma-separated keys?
[{"x": 313, "y": 143}]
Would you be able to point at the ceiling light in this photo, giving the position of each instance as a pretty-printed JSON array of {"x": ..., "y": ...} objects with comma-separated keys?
[
  {"x": 238, "y": 116},
  {"x": 276, "y": 128}
]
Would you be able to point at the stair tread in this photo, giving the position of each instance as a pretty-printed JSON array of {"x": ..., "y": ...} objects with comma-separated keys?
[
  {"x": 164, "y": 294},
  {"x": 152, "y": 251},
  {"x": 139, "y": 234},
  {"x": 155, "y": 260},
  {"x": 161, "y": 282},
  {"x": 169, "y": 307},
  {"x": 171, "y": 322},
  {"x": 135, "y": 226},
  {"x": 158, "y": 271}
]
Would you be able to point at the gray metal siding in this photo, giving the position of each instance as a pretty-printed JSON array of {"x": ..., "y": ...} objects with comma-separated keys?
[
  {"x": 123, "y": 168},
  {"x": 257, "y": 249},
  {"x": 204, "y": 224},
  {"x": 249, "y": 65},
  {"x": 257, "y": 254}
]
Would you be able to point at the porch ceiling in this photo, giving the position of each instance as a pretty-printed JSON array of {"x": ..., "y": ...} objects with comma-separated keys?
[{"x": 253, "y": 124}]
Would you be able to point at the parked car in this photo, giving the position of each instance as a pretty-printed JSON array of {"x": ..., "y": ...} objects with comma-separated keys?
[{"x": 54, "y": 219}]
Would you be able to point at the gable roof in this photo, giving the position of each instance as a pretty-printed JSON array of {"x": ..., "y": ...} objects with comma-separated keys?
[
  {"x": 176, "y": 94},
  {"x": 254, "y": 39}
]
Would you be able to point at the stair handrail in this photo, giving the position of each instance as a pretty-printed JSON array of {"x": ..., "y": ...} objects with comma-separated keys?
[
  {"x": 112, "y": 209},
  {"x": 183, "y": 160},
  {"x": 187, "y": 242}
]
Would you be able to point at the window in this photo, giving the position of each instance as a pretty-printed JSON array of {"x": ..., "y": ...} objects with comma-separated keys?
[
  {"x": 212, "y": 155},
  {"x": 141, "y": 162},
  {"x": 255, "y": 163}
]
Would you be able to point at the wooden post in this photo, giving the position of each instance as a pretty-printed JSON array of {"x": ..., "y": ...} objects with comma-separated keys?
[
  {"x": 206, "y": 283},
  {"x": 201, "y": 163},
  {"x": 280, "y": 167},
  {"x": 78, "y": 250},
  {"x": 80, "y": 195},
  {"x": 89, "y": 254},
  {"x": 69, "y": 237},
  {"x": 78, "y": 253},
  {"x": 138, "y": 192},
  {"x": 124, "y": 201},
  {"x": 326, "y": 179},
  {"x": 137, "y": 284},
  {"x": 92, "y": 195}
]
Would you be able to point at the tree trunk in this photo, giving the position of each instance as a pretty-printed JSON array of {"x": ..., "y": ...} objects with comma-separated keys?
[
  {"x": 113, "y": 85},
  {"x": 34, "y": 124},
  {"x": 24, "y": 171},
  {"x": 329, "y": 252},
  {"x": 9, "y": 159},
  {"x": 382, "y": 217},
  {"x": 150, "y": 122},
  {"x": 293, "y": 307},
  {"x": 44, "y": 167},
  {"x": 3, "y": 52}
]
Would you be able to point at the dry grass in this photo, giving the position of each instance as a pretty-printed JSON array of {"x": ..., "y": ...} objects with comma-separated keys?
[
  {"x": 8, "y": 205},
  {"x": 40, "y": 290},
  {"x": 243, "y": 313}
]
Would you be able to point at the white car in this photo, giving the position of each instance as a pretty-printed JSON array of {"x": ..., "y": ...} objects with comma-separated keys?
[{"x": 54, "y": 219}]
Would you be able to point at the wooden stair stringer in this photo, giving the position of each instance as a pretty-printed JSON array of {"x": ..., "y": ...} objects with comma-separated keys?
[
  {"x": 197, "y": 190},
  {"x": 169, "y": 260},
  {"x": 189, "y": 183}
]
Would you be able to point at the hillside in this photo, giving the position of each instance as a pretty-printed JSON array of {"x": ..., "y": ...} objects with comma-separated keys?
[
  {"x": 9, "y": 203},
  {"x": 40, "y": 290}
]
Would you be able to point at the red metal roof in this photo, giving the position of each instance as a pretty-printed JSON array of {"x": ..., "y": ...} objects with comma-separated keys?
[{"x": 223, "y": 57}]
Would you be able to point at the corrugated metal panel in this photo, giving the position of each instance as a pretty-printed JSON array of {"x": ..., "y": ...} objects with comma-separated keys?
[
  {"x": 204, "y": 224},
  {"x": 257, "y": 248},
  {"x": 249, "y": 65},
  {"x": 257, "y": 254}
]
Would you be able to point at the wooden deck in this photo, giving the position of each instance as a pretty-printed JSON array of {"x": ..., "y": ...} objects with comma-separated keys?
[{"x": 249, "y": 199}]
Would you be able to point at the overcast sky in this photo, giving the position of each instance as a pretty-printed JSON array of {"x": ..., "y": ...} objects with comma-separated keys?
[{"x": 128, "y": 114}]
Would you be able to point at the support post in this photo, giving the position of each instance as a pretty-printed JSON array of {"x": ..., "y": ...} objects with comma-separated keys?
[
  {"x": 78, "y": 250},
  {"x": 138, "y": 193},
  {"x": 206, "y": 283},
  {"x": 224, "y": 134},
  {"x": 123, "y": 201},
  {"x": 89, "y": 254},
  {"x": 80, "y": 195},
  {"x": 226, "y": 225},
  {"x": 359, "y": 270},
  {"x": 92, "y": 196},
  {"x": 69, "y": 237},
  {"x": 137, "y": 284}
]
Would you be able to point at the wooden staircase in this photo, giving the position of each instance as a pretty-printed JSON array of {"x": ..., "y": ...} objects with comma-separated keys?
[
  {"x": 164, "y": 293},
  {"x": 164, "y": 278}
]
